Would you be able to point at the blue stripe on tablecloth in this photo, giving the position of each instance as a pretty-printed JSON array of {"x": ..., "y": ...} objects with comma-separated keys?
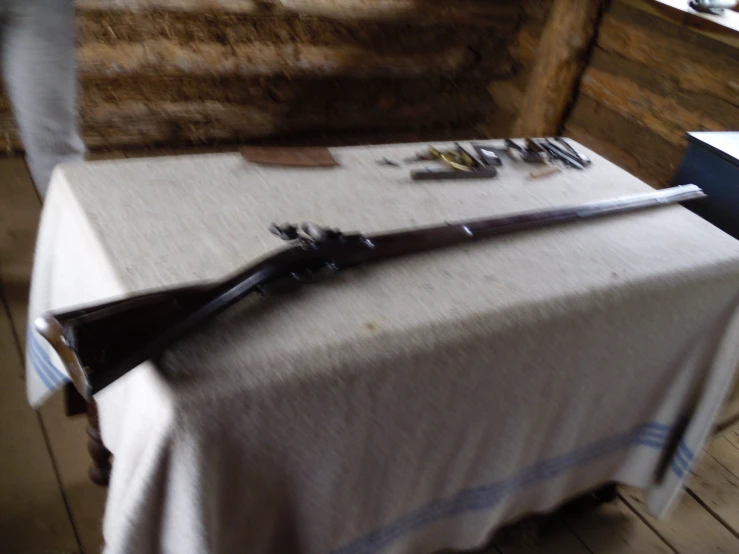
[
  {"x": 682, "y": 460},
  {"x": 685, "y": 452},
  {"x": 38, "y": 369},
  {"x": 652, "y": 435},
  {"x": 42, "y": 364}
]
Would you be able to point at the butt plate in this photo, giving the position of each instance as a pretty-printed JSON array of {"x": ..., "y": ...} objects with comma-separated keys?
[{"x": 50, "y": 328}]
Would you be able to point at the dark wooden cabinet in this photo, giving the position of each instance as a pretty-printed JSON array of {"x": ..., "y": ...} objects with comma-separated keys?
[{"x": 712, "y": 162}]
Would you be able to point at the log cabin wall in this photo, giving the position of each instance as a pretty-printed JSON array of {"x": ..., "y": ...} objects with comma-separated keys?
[
  {"x": 177, "y": 72},
  {"x": 655, "y": 74}
]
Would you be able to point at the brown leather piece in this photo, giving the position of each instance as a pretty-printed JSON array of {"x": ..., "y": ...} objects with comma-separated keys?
[{"x": 285, "y": 156}]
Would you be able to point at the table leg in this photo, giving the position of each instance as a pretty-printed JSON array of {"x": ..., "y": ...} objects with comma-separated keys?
[
  {"x": 587, "y": 502},
  {"x": 100, "y": 469},
  {"x": 607, "y": 493}
]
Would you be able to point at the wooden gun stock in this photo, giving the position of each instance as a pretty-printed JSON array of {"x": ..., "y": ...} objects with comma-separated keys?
[
  {"x": 99, "y": 344},
  {"x": 92, "y": 342}
]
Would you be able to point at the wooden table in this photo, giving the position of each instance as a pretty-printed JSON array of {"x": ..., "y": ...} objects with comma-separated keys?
[{"x": 469, "y": 384}]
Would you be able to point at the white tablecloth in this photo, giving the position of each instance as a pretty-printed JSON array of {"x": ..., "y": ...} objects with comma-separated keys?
[{"x": 404, "y": 407}]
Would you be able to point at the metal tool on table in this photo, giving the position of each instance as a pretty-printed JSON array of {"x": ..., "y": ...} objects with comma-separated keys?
[
  {"x": 526, "y": 154},
  {"x": 481, "y": 161},
  {"x": 532, "y": 146},
  {"x": 489, "y": 155},
  {"x": 458, "y": 158},
  {"x": 566, "y": 153},
  {"x": 535, "y": 149},
  {"x": 461, "y": 164},
  {"x": 548, "y": 151},
  {"x": 712, "y": 7},
  {"x": 436, "y": 174},
  {"x": 539, "y": 156},
  {"x": 581, "y": 158},
  {"x": 560, "y": 154},
  {"x": 469, "y": 159},
  {"x": 388, "y": 162}
]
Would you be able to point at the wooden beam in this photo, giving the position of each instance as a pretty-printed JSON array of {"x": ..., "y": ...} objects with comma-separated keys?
[
  {"x": 562, "y": 55},
  {"x": 460, "y": 11},
  {"x": 163, "y": 58}
]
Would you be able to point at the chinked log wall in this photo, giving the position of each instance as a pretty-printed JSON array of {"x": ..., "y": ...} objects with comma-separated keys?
[
  {"x": 176, "y": 72},
  {"x": 171, "y": 72},
  {"x": 655, "y": 74}
]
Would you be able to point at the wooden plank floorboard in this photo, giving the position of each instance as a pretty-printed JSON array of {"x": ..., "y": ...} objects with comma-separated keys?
[
  {"x": 689, "y": 527},
  {"x": 33, "y": 514},
  {"x": 725, "y": 450},
  {"x": 20, "y": 209},
  {"x": 715, "y": 483},
  {"x": 732, "y": 437},
  {"x": 67, "y": 438},
  {"x": 614, "y": 528},
  {"x": 67, "y": 443}
]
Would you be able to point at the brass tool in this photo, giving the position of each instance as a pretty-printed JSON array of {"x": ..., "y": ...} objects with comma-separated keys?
[
  {"x": 470, "y": 160},
  {"x": 449, "y": 158}
]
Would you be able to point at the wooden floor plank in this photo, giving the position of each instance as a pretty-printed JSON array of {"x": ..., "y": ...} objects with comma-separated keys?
[
  {"x": 66, "y": 437},
  {"x": 729, "y": 415},
  {"x": 715, "y": 486},
  {"x": 614, "y": 529},
  {"x": 725, "y": 450},
  {"x": 20, "y": 210},
  {"x": 716, "y": 479},
  {"x": 732, "y": 435},
  {"x": 68, "y": 442},
  {"x": 688, "y": 528},
  {"x": 33, "y": 516}
]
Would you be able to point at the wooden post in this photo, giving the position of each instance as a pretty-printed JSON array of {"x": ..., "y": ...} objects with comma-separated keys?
[{"x": 561, "y": 58}]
